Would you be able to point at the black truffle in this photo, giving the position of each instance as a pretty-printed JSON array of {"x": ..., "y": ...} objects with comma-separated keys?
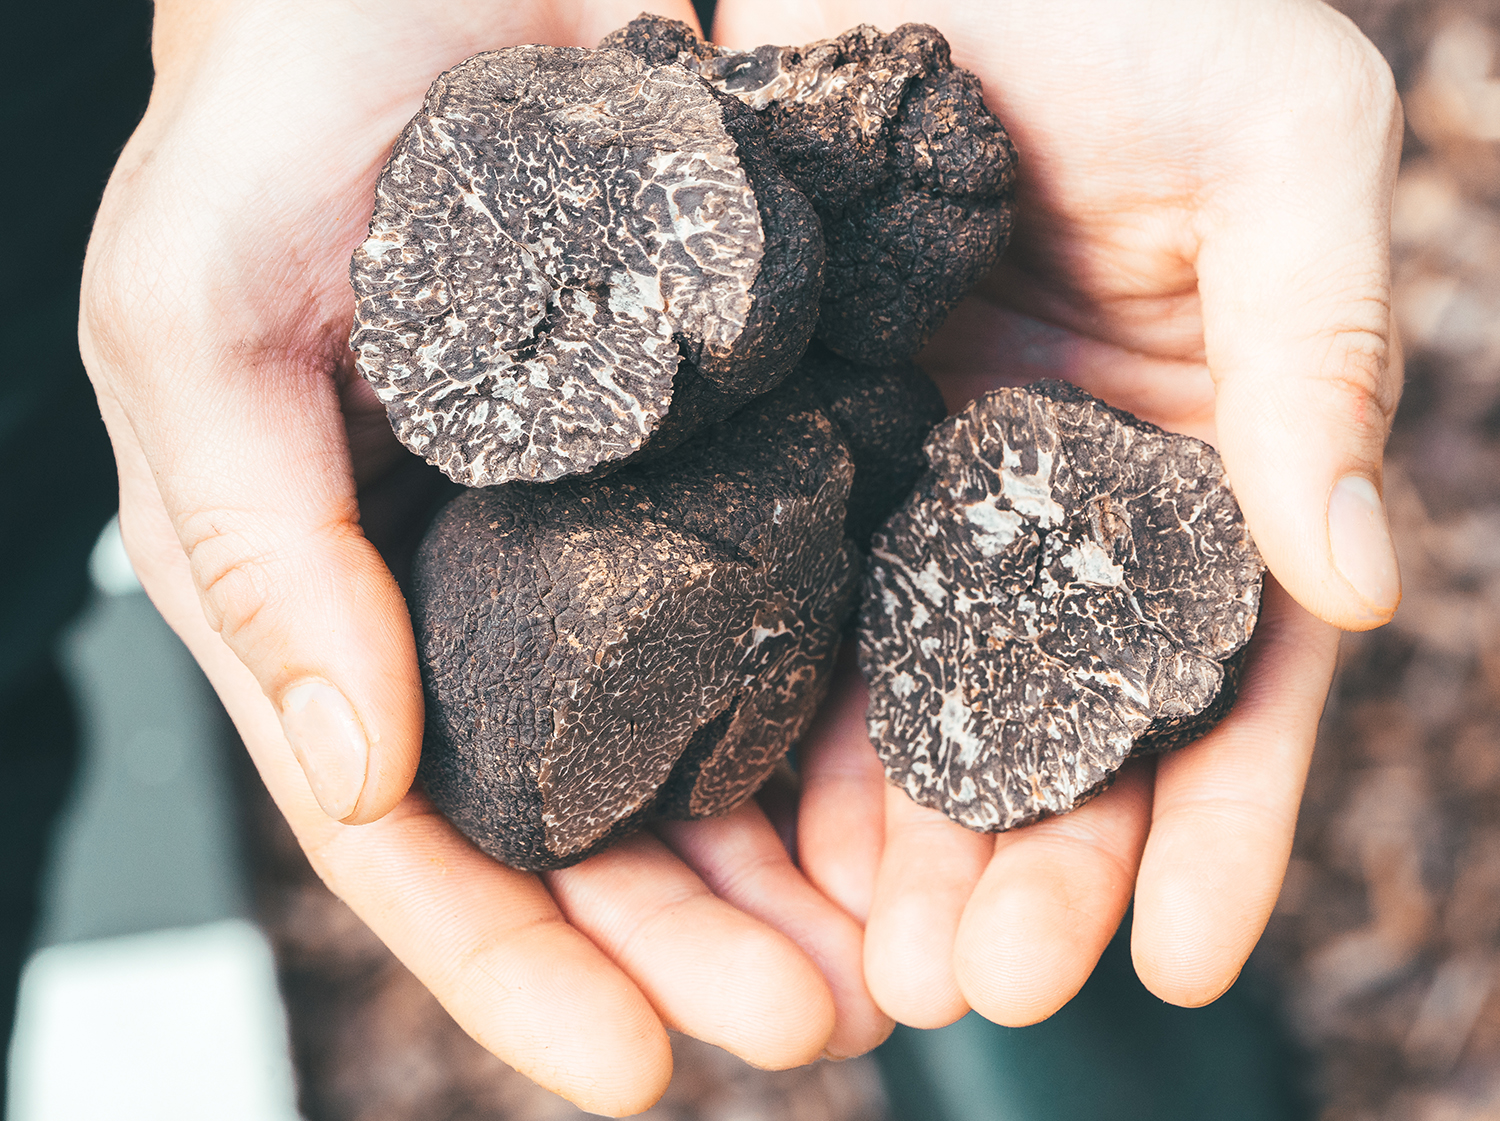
[
  {"x": 564, "y": 243},
  {"x": 911, "y": 174},
  {"x": 1067, "y": 585},
  {"x": 598, "y": 652},
  {"x": 884, "y": 414}
]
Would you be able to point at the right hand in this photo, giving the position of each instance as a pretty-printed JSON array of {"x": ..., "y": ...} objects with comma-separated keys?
[
  {"x": 216, "y": 309},
  {"x": 1202, "y": 237}
]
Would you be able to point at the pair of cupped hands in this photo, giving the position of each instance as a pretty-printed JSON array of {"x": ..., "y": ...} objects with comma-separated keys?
[{"x": 1201, "y": 238}]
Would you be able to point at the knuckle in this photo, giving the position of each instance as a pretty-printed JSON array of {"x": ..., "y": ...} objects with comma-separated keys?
[
  {"x": 118, "y": 300},
  {"x": 234, "y": 583},
  {"x": 1356, "y": 373},
  {"x": 645, "y": 933},
  {"x": 248, "y": 568},
  {"x": 1373, "y": 78},
  {"x": 740, "y": 878}
]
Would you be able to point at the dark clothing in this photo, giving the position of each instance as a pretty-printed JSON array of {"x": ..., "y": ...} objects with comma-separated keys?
[
  {"x": 38, "y": 754},
  {"x": 75, "y": 85}
]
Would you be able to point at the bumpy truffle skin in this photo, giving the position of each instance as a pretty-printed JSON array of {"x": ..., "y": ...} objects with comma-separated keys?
[
  {"x": 884, "y": 414},
  {"x": 1066, "y": 586},
  {"x": 649, "y": 644},
  {"x": 912, "y": 175},
  {"x": 559, "y": 238}
]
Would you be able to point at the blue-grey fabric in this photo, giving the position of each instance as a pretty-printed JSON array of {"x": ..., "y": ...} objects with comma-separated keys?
[{"x": 1114, "y": 1053}]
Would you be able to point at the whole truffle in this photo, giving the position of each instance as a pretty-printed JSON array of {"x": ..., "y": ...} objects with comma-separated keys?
[
  {"x": 910, "y": 172},
  {"x": 884, "y": 414},
  {"x": 1067, "y": 585},
  {"x": 650, "y": 644},
  {"x": 564, "y": 243}
]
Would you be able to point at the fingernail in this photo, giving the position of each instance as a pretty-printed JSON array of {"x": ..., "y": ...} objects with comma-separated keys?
[
  {"x": 329, "y": 742},
  {"x": 1361, "y": 543}
]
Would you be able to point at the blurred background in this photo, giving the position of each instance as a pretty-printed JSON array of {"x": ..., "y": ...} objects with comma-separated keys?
[{"x": 181, "y": 959}]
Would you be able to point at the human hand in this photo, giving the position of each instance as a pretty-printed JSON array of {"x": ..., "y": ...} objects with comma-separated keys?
[
  {"x": 216, "y": 309},
  {"x": 1202, "y": 238}
]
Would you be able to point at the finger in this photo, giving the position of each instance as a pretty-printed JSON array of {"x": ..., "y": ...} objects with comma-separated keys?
[
  {"x": 927, "y": 872},
  {"x": 710, "y": 970},
  {"x": 1295, "y": 292},
  {"x": 742, "y": 860},
  {"x": 1049, "y": 902},
  {"x": 1224, "y": 810},
  {"x": 491, "y": 945},
  {"x": 984, "y": 345},
  {"x": 487, "y": 941},
  {"x": 841, "y": 819},
  {"x": 260, "y": 495}
]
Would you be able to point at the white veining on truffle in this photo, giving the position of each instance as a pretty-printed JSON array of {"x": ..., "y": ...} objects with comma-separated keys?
[
  {"x": 1060, "y": 585},
  {"x": 551, "y": 223},
  {"x": 999, "y": 526},
  {"x": 1092, "y": 565}
]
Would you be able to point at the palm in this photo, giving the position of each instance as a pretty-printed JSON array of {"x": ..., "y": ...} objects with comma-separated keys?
[
  {"x": 1142, "y": 129},
  {"x": 217, "y": 309}
]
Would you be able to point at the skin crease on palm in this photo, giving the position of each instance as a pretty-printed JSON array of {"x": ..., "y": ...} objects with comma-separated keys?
[{"x": 1202, "y": 238}]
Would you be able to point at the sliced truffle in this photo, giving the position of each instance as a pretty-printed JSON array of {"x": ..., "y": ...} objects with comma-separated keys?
[
  {"x": 884, "y": 414},
  {"x": 1067, "y": 585},
  {"x": 910, "y": 172},
  {"x": 596, "y": 653},
  {"x": 563, "y": 243}
]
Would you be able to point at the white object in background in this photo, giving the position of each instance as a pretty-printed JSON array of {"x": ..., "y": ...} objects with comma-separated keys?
[
  {"x": 110, "y": 569},
  {"x": 177, "y": 1025}
]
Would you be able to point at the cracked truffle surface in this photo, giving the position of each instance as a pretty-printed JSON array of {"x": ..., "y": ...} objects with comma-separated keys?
[
  {"x": 557, "y": 232},
  {"x": 911, "y": 174},
  {"x": 648, "y": 644},
  {"x": 1066, "y": 586}
]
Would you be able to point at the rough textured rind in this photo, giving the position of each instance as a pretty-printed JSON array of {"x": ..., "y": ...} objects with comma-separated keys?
[
  {"x": 1066, "y": 586},
  {"x": 562, "y": 237},
  {"x": 884, "y": 414},
  {"x": 595, "y": 653},
  {"x": 911, "y": 174}
]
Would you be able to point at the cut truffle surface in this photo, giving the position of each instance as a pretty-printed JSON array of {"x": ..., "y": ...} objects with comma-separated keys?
[
  {"x": 1066, "y": 586},
  {"x": 595, "y": 653},
  {"x": 560, "y": 238},
  {"x": 911, "y": 173}
]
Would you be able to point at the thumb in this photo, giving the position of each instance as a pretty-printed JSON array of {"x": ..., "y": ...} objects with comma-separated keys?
[
  {"x": 252, "y": 468},
  {"x": 1295, "y": 290}
]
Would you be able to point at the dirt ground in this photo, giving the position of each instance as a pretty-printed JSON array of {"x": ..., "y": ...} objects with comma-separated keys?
[{"x": 1386, "y": 941}]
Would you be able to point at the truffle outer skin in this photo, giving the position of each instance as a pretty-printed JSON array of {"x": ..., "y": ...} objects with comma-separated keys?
[
  {"x": 912, "y": 175},
  {"x": 555, "y": 230},
  {"x": 1067, "y": 585},
  {"x": 649, "y": 644},
  {"x": 884, "y": 414}
]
